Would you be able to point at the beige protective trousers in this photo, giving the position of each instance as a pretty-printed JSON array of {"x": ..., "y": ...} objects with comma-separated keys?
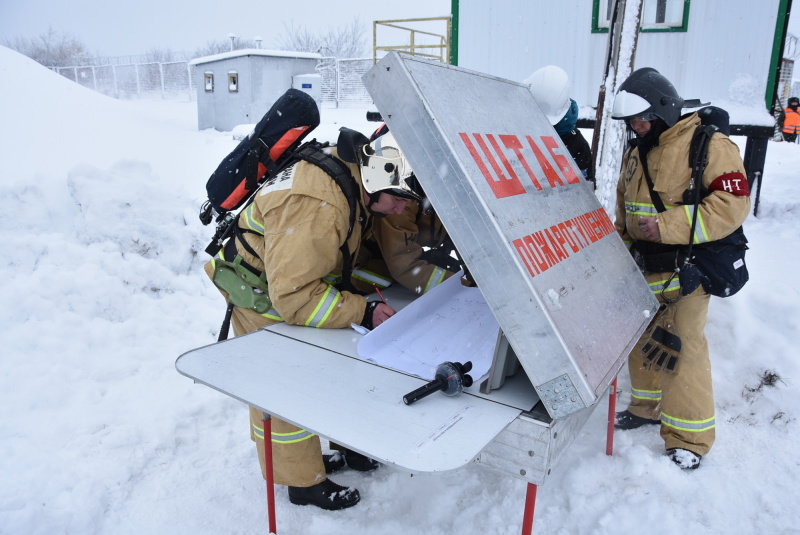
[
  {"x": 682, "y": 400},
  {"x": 296, "y": 453}
]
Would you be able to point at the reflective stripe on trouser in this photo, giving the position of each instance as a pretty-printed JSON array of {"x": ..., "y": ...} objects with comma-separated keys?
[
  {"x": 686, "y": 406},
  {"x": 296, "y": 453}
]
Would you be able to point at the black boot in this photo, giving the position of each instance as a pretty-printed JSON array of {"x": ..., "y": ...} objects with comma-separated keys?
[
  {"x": 326, "y": 495},
  {"x": 333, "y": 462},
  {"x": 688, "y": 460},
  {"x": 626, "y": 420},
  {"x": 359, "y": 462}
]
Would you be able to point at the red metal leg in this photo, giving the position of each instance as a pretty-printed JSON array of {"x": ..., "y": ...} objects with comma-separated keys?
[
  {"x": 612, "y": 412},
  {"x": 267, "y": 424},
  {"x": 530, "y": 504}
]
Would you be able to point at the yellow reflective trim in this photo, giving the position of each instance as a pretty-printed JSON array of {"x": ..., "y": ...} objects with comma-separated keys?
[
  {"x": 640, "y": 208},
  {"x": 330, "y": 309},
  {"x": 258, "y": 431},
  {"x": 646, "y": 394},
  {"x": 251, "y": 222},
  {"x": 692, "y": 426},
  {"x": 656, "y": 287},
  {"x": 330, "y": 298},
  {"x": 435, "y": 279},
  {"x": 272, "y": 314},
  {"x": 372, "y": 278},
  {"x": 285, "y": 438}
]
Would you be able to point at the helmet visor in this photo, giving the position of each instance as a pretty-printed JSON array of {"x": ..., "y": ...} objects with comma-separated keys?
[
  {"x": 386, "y": 169},
  {"x": 628, "y": 105}
]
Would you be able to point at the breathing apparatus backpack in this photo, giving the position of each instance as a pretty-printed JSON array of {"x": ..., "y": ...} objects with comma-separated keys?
[{"x": 263, "y": 154}]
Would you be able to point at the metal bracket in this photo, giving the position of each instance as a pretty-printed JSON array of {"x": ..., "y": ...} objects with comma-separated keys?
[{"x": 560, "y": 396}]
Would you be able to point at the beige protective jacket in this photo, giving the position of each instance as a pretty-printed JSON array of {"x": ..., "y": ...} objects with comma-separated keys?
[
  {"x": 401, "y": 238},
  {"x": 722, "y": 212},
  {"x": 304, "y": 218}
]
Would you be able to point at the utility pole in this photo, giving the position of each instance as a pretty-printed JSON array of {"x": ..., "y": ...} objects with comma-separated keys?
[{"x": 608, "y": 139}]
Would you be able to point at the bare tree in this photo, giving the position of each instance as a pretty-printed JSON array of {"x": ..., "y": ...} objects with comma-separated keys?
[
  {"x": 347, "y": 41},
  {"x": 52, "y": 49},
  {"x": 163, "y": 55},
  {"x": 222, "y": 45}
]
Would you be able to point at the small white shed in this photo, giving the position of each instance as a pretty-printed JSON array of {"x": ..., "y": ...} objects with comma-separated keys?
[{"x": 238, "y": 87}]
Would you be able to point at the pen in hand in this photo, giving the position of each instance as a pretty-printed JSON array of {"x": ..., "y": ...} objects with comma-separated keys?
[{"x": 381, "y": 295}]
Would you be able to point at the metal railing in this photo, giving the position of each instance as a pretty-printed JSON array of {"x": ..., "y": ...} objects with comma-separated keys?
[
  {"x": 174, "y": 80},
  {"x": 418, "y": 42}
]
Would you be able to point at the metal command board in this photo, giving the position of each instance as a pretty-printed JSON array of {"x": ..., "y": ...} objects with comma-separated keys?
[
  {"x": 569, "y": 300},
  {"x": 558, "y": 278}
]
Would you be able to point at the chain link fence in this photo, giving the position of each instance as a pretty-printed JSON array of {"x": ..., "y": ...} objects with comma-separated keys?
[{"x": 341, "y": 80}]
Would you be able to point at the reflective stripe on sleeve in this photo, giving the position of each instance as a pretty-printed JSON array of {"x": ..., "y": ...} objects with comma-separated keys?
[
  {"x": 372, "y": 278},
  {"x": 250, "y": 221},
  {"x": 324, "y": 307},
  {"x": 700, "y": 233},
  {"x": 435, "y": 279},
  {"x": 640, "y": 209}
]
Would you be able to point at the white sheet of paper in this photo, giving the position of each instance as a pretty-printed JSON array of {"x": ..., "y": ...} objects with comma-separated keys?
[{"x": 450, "y": 323}]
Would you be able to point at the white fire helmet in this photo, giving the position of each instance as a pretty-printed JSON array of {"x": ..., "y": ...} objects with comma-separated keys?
[
  {"x": 384, "y": 168},
  {"x": 550, "y": 87}
]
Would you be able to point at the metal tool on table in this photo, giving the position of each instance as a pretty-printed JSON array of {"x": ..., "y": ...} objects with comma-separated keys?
[{"x": 451, "y": 378}]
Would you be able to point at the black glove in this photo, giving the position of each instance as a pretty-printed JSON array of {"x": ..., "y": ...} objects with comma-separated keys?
[
  {"x": 368, "y": 313},
  {"x": 663, "y": 349}
]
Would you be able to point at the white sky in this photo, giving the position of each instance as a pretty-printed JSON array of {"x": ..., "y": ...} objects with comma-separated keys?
[{"x": 114, "y": 28}]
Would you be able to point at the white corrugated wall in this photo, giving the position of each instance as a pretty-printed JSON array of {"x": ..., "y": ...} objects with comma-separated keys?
[{"x": 724, "y": 55}]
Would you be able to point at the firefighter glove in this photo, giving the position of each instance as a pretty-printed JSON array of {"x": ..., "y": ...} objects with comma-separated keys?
[
  {"x": 368, "y": 315},
  {"x": 662, "y": 350}
]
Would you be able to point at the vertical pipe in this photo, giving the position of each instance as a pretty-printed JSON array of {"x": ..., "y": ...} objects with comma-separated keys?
[
  {"x": 530, "y": 504},
  {"x": 612, "y": 413},
  {"x": 454, "y": 9},
  {"x": 189, "y": 77},
  {"x": 374, "y": 42},
  {"x": 267, "y": 425},
  {"x": 161, "y": 74}
]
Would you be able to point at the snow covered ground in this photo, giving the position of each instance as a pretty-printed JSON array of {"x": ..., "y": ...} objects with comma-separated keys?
[{"x": 103, "y": 289}]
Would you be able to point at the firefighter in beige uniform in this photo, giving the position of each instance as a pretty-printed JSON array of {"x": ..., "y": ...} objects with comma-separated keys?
[
  {"x": 412, "y": 248},
  {"x": 681, "y": 399},
  {"x": 297, "y": 225},
  {"x": 416, "y": 248}
]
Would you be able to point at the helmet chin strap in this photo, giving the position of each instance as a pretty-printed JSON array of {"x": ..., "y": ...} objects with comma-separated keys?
[{"x": 373, "y": 198}]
